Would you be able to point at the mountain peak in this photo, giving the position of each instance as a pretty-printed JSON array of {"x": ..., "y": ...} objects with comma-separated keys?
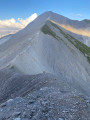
[{"x": 48, "y": 12}]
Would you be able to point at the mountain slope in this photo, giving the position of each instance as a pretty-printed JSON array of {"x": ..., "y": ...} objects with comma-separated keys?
[
  {"x": 52, "y": 50},
  {"x": 45, "y": 61}
]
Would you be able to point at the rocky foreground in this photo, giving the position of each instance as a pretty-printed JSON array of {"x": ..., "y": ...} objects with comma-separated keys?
[
  {"x": 46, "y": 104},
  {"x": 49, "y": 99}
]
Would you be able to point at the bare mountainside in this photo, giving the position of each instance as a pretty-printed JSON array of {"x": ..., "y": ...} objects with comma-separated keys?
[{"x": 45, "y": 72}]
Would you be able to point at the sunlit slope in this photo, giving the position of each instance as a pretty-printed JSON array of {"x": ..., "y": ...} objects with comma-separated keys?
[{"x": 83, "y": 32}]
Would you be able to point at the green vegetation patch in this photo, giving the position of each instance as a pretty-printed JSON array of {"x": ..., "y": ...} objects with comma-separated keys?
[
  {"x": 46, "y": 30},
  {"x": 79, "y": 45}
]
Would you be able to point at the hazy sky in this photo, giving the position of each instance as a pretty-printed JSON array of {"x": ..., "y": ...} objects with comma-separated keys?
[{"x": 16, "y": 14}]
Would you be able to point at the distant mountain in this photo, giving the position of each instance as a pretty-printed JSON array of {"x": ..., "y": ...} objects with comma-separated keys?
[
  {"x": 48, "y": 68},
  {"x": 87, "y": 21}
]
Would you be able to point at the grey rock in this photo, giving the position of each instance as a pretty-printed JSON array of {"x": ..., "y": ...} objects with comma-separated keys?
[{"x": 16, "y": 114}]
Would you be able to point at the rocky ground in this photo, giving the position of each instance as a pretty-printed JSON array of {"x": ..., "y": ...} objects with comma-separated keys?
[
  {"x": 46, "y": 104},
  {"x": 47, "y": 98}
]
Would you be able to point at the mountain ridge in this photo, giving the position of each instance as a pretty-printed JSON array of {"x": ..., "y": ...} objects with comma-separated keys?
[
  {"x": 39, "y": 22},
  {"x": 44, "y": 73}
]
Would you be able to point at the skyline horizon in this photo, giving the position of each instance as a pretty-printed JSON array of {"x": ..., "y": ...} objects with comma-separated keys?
[
  {"x": 15, "y": 15},
  {"x": 21, "y": 23}
]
